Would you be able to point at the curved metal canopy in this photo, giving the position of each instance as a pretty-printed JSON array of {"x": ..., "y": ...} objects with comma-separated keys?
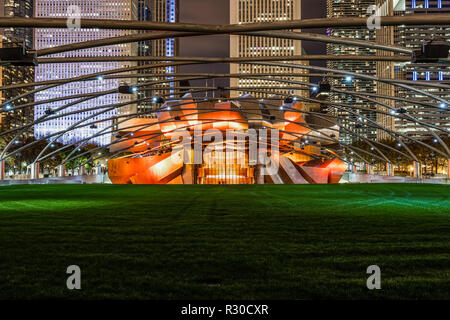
[{"x": 275, "y": 30}]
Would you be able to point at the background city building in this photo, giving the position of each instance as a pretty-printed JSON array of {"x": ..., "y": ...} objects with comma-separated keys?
[
  {"x": 385, "y": 70},
  {"x": 254, "y": 11},
  {"x": 413, "y": 37},
  {"x": 16, "y": 37},
  {"x": 352, "y": 8},
  {"x": 51, "y": 37},
  {"x": 156, "y": 11}
]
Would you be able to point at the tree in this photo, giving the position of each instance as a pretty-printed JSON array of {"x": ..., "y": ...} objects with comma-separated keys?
[
  {"x": 430, "y": 158},
  {"x": 10, "y": 161}
]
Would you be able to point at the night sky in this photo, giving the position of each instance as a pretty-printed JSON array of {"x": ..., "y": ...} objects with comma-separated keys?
[{"x": 217, "y": 12}]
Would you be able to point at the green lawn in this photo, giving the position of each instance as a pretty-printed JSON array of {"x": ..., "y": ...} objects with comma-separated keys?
[{"x": 232, "y": 242}]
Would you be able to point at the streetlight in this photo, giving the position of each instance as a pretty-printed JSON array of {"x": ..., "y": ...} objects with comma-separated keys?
[
  {"x": 288, "y": 100},
  {"x": 125, "y": 88},
  {"x": 8, "y": 107},
  {"x": 49, "y": 111},
  {"x": 431, "y": 51},
  {"x": 324, "y": 87},
  {"x": 18, "y": 56},
  {"x": 157, "y": 99}
]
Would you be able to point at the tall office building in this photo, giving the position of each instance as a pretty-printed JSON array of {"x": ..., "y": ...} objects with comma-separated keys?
[
  {"x": 413, "y": 37},
  {"x": 165, "y": 11},
  {"x": 16, "y": 37},
  {"x": 386, "y": 69},
  {"x": 144, "y": 13},
  {"x": 51, "y": 37},
  {"x": 352, "y": 8},
  {"x": 144, "y": 49},
  {"x": 157, "y": 11},
  {"x": 253, "y": 11}
]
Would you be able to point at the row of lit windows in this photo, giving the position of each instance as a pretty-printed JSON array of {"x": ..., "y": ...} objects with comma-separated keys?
[
  {"x": 256, "y": 10},
  {"x": 428, "y": 76},
  {"x": 426, "y": 4}
]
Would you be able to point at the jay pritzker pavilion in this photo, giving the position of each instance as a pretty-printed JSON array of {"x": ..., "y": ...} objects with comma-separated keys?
[{"x": 192, "y": 142}]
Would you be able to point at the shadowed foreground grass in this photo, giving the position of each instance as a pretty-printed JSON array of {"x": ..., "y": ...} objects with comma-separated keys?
[{"x": 232, "y": 242}]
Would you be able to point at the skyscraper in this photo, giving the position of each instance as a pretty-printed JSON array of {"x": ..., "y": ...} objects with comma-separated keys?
[
  {"x": 386, "y": 70},
  {"x": 144, "y": 13},
  {"x": 16, "y": 37},
  {"x": 352, "y": 8},
  {"x": 413, "y": 37},
  {"x": 51, "y": 37},
  {"x": 253, "y": 11},
  {"x": 157, "y": 11},
  {"x": 165, "y": 11}
]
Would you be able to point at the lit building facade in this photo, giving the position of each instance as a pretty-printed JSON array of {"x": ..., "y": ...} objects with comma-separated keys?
[
  {"x": 165, "y": 11},
  {"x": 254, "y": 11},
  {"x": 144, "y": 13},
  {"x": 386, "y": 69},
  {"x": 51, "y": 37},
  {"x": 413, "y": 37},
  {"x": 157, "y": 11},
  {"x": 16, "y": 37},
  {"x": 349, "y": 9}
]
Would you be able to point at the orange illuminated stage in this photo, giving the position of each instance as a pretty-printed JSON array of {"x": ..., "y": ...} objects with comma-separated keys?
[{"x": 187, "y": 144}]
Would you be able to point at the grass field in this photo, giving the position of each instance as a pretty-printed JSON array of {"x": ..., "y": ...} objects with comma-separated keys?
[{"x": 231, "y": 242}]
